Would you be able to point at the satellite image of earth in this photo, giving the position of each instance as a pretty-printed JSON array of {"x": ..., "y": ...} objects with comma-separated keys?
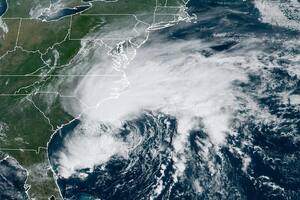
[{"x": 150, "y": 99}]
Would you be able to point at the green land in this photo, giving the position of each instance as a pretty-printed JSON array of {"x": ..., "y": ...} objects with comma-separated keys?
[{"x": 33, "y": 51}]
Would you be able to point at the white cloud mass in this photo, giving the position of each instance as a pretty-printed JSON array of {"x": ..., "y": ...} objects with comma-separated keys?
[
  {"x": 173, "y": 77},
  {"x": 169, "y": 77}
]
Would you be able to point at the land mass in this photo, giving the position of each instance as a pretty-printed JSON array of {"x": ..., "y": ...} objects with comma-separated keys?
[{"x": 35, "y": 55}]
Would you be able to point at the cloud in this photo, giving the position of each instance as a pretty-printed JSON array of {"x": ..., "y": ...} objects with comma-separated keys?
[
  {"x": 276, "y": 13},
  {"x": 172, "y": 77},
  {"x": 88, "y": 146},
  {"x": 3, "y": 28}
]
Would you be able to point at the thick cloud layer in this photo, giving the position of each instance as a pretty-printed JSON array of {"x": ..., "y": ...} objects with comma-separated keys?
[
  {"x": 171, "y": 78},
  {"x": 279, "y": 13},
  {"x": 175, "y": 78}
]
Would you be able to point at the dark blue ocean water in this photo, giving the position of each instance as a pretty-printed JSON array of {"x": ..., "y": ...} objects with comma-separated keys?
[
  {"x": 274, "y": 151},
  {"x": 57, "y": 140},
  {"x": 273, "y": 147},
  {"x": 3, "y": 7},
  {"x": 12, "y": 180}
]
